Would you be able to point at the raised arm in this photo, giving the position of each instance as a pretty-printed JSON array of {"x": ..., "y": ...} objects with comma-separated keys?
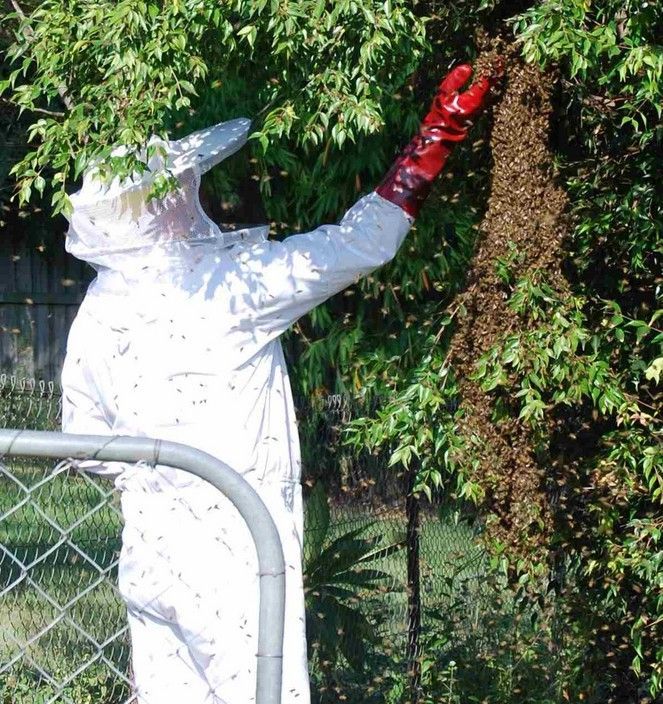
[{"x": 291, "y": 277}]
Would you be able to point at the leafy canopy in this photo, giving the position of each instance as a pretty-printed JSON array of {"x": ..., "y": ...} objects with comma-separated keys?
[{"x": 313, "y": 75}]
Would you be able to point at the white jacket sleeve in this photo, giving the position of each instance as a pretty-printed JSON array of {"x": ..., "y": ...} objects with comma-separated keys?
[
  {"x": 86, "y": 408},
  {"x": 289, "y": 278}
]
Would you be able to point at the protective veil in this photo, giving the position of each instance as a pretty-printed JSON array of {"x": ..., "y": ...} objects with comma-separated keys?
[{"x": 177, "y": 338}]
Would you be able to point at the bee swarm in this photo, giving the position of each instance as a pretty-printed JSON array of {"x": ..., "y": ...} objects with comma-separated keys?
[{"x": 525, "y": 223}]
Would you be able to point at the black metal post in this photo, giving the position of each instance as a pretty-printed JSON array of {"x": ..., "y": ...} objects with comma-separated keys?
[{"x": 413, "y": 589}]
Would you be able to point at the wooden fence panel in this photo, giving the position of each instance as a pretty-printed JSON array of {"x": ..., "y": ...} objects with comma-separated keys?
[{"x": 41, "y": 287}]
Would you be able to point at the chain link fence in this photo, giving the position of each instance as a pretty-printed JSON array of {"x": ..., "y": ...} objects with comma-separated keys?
[
  {"x": 384, "y": 582},
  {"x": 63, "y": 630}
]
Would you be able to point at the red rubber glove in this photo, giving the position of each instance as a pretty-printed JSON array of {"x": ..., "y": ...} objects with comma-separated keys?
[{"x": 409, "y": 180}]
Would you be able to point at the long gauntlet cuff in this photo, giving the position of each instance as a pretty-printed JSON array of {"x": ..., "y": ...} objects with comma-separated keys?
[{"x": 409, "y": 181}]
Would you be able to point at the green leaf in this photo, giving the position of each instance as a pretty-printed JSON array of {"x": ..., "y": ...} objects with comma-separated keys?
[{"x": 654, "y": 370}]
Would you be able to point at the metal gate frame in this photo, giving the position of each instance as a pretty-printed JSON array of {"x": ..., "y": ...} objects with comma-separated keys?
[{"x": 250, "y": 506}]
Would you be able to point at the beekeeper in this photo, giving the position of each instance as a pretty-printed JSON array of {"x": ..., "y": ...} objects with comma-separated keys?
[{"x": 178, "y": 339}]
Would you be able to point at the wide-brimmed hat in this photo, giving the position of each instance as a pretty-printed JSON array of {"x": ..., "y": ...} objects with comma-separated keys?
[
  {"x": 201, "y": 150},
  {"x": 110, "y": 221}
]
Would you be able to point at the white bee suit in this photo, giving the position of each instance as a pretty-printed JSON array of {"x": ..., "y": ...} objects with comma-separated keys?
[{"x": 177, "y": 339}]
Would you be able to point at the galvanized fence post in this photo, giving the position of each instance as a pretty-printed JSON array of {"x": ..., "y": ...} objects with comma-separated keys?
[{"x": 230, "y": 483}]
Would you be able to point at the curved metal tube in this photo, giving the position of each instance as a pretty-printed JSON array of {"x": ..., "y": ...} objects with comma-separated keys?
[{"x": 220, "y": 475}]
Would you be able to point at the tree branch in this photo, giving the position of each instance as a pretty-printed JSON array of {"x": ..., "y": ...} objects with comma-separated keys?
[{"x": 43, "y": 111}]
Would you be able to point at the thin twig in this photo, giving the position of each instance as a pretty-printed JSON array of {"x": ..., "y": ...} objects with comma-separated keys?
[{"x": 52, "y": 113}]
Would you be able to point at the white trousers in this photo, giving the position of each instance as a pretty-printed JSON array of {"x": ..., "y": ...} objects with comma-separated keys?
[{"x": 188, "y": 573}]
